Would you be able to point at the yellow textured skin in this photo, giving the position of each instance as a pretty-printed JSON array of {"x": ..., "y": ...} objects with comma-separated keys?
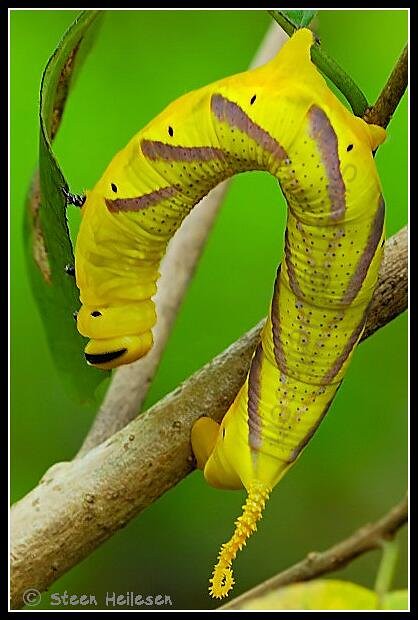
[{"x": 281, "y": 118}]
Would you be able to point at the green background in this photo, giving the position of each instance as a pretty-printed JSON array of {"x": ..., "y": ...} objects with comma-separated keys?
[{"x": 356, "y": 466}]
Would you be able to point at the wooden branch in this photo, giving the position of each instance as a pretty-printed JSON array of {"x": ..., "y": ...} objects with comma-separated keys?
[
  {"x": 391, "y": 295},
  {"x": 80, "y": 504},
  {"x": 130, "y": 383},
  {"x": 315, "y": 564},
  {"x": 389, "y": 98}
]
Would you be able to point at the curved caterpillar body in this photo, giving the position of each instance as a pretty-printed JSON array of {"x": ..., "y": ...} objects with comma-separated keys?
[{"x": 281, "y": 118}]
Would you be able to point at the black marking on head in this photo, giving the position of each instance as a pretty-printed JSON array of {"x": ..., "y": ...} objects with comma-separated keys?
[
  {"x": 102, "y": 358},
  {"x": 223, "y": 433},
  {"x": 349, "y": 147},
  {"x": 170, "y": 131},
  {"x": 75, "y": 315},
  {"x": 253, "y": 98},
  {"x": 114, "y": 188},
  {"x": 70, "y": 270},
  {"x": 96, "y": 313}
]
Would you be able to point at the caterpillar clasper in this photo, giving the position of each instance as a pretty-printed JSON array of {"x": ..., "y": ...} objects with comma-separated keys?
[{"x": 281, "y": 118}]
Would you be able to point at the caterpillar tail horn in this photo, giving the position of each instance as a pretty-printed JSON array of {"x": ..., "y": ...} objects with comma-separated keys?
[{"x": 222, "y": 580}]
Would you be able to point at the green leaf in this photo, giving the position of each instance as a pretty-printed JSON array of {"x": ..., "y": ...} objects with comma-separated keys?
[
  {"x": 47, "y": 240},
  {"x": 300, "y": 19},
  {"x": 326, "y": 594},
  {"x": 398, "y": 599}
]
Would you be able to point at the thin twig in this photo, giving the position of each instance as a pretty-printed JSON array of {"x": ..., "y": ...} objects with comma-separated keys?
[
  {"x": 130, "y": 384},
  {"x": 80, "y": 504},
  {"x": 365, "y": 539},
  {"x": 389, "y": 98}
]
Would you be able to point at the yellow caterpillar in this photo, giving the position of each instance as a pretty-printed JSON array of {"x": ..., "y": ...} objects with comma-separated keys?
[{"x": 281, "y": 118}]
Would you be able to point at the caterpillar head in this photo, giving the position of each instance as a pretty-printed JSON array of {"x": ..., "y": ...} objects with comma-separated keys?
[{"x": 118, "y": 334}]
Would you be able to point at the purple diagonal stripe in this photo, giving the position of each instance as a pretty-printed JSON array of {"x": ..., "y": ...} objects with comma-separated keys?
[
  {"x": 293, "y": 282},
  {"x": 254, "y": 389},
  {"x": 366, "y": 258},
  {"x": 351, "y": 342},
  {"x": 140, "y": 202},
  {"x": 229, "y": 112},
  {"x": 296, "y": 451},
  {"x": 326, "y": 139},
  {"x": 154, "y": 150},
  {"x": 279, "y": 355}
]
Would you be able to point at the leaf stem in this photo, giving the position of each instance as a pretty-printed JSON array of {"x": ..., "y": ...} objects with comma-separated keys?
[
  {"x": 329, "y": 67},
  {"x": 386, "y": 568}
]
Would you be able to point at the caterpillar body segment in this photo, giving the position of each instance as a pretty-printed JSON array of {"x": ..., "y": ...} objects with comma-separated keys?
[{"x": 283, "y": 119}]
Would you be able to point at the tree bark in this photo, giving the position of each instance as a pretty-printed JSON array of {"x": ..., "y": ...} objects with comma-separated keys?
[{"x": 80, "y": 504}]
